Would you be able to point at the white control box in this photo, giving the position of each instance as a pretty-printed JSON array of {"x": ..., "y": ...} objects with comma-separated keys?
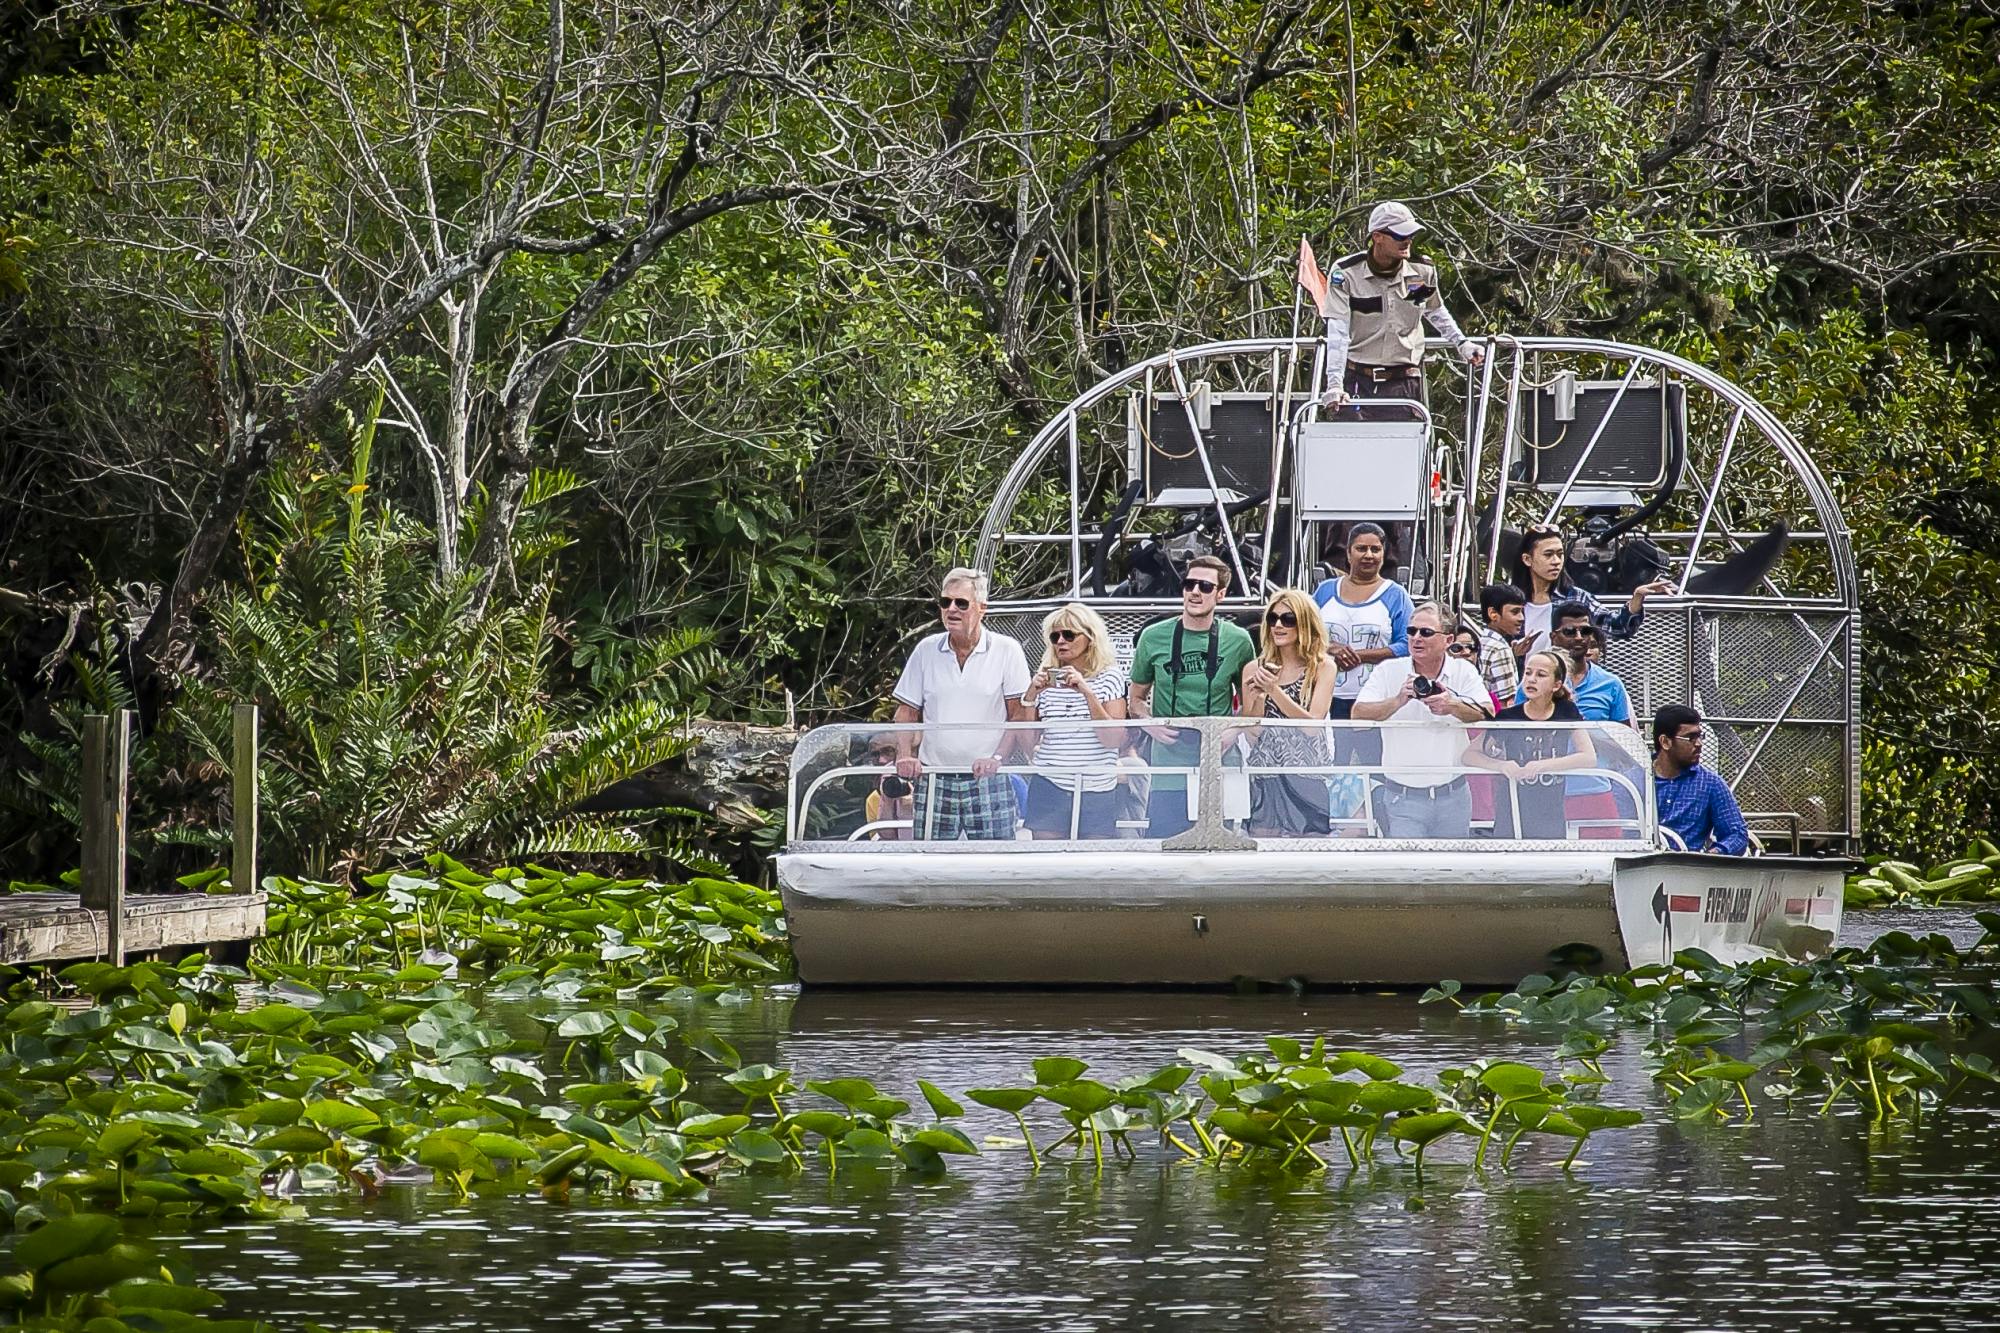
[{"x": 1361, "y": 469}]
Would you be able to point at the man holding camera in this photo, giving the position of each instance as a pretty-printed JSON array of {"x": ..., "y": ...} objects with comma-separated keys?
[
  {"x": 1422, "y": 795},
  {"x": 974, "y": 678}
]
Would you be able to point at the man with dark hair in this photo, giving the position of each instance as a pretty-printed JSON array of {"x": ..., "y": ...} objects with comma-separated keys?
[
  {"x": 1185, "y": 667},
  {"x": 1503, "y": 638},
  {"x": 1694, "y": 801},
  {"x": 1600, "y": 696}
]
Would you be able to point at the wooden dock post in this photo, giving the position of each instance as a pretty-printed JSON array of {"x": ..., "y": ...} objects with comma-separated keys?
[
  {"x": 107, "y": 749},
  {"x": 243, "y": 805}
]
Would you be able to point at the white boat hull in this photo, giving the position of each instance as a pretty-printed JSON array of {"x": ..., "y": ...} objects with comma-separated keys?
[{"x": 956, "y": 916}]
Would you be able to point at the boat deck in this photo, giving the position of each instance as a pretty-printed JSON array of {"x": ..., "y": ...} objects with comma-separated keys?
[{"x": 48, "y": 927}]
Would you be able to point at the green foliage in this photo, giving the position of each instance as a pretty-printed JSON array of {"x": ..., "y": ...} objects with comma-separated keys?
[
  {"x": 787, "y": 424},
  {"x": 1896, "y": 1028}
]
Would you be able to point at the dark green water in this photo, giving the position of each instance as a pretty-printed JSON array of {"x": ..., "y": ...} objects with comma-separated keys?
[{"x": 1786, "y": 1223}]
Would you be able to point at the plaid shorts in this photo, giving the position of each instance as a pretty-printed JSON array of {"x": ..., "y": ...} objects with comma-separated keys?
[{"x": 967, "y": 807}]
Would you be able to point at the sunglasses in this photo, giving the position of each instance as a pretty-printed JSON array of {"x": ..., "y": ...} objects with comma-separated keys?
[
  {"x": 1066, "y": 635},
  {"x": 962, "y": 603},
  {"x": 1695, "y": 739},
  {"x": 1459, "y": 649},
  {"x": 1577, "y": 632},
  {"x": 1285, "y": 618},
  {"x": 882, "y": 756},
  {"x": 1419, "y": 632},
  {"x": 1202, "y": 586}
]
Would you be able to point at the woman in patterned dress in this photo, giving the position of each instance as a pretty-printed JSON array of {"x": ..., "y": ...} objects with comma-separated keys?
[{"x": 1292, "y": 677}]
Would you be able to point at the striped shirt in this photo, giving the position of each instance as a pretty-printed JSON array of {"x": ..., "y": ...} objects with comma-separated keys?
[{"x": 1077, "y": 746}]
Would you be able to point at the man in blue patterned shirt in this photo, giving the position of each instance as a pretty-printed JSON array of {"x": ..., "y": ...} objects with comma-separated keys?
[{"x": 1694, "y": 801}]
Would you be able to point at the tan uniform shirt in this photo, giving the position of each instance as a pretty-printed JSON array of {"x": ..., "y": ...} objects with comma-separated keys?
[
  {"x": 1378, "y": 321},
  {"x": 1384, "y": 316}
]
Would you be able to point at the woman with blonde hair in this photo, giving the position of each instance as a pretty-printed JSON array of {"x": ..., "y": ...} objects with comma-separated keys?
[
  {"x": 1533, "y": 758},
  {"x": 1079, "y": 683},
  {"x": 1292, "y": 677}
]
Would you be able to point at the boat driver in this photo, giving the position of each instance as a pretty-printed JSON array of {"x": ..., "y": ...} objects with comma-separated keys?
[{"x": 1377, "y": 301}]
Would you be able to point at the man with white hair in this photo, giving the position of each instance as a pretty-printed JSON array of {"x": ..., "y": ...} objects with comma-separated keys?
[
  {"x": 1376, "y": 303},
  {"x": 1433, "y": 696},
  {"x": 965, "y": 681}
]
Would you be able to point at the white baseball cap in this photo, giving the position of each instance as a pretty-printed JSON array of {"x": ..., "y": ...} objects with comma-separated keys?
[{"x": 1394, "y": 218}]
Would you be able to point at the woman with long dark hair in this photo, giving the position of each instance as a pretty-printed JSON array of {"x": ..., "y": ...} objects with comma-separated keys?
[{"x": 1538, "y": 561}]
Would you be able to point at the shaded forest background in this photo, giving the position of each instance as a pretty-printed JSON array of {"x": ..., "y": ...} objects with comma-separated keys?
[{"x": 487, "y": 388}]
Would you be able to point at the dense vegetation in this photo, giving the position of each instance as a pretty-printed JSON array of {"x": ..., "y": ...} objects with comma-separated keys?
[{"x": 482, "y": 387}]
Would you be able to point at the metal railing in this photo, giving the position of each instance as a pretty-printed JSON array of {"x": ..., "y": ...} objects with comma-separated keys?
[{"x": 1338, "y": 792}]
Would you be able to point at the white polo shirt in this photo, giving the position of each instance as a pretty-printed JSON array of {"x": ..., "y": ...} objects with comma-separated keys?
[
  {"x": 934, "y": 684},
  {"x": 1409, "y": 752}
]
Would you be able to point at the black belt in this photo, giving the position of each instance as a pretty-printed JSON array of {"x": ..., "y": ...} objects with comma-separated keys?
[
  {"x": 1442, "y": 788},
  {"x": 1380, "y": 374}
]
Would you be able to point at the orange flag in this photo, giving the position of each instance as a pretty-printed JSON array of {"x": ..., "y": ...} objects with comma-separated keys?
[{"x": 1310, "y": 277}]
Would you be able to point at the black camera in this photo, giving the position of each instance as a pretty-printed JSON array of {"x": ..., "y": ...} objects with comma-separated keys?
[
  {"x": 895, "y": 787},
  {"x": 1424, "y": 687}
]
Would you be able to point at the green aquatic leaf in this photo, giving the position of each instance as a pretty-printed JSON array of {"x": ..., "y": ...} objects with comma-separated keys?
[
  {"x": 559, "y": 1166},
  {"x": 758, "y": 1080},
  {"x": 712, "y": 1048},
  {"x": 1054, "y": 1069},
  {"x": 94, "y": 1272},
  {"x": 122, "y": 1136},
  {"x": 1374, "y": 1066},
  {"x": 712, "y": 1126},
  {"x": 589, "y": 1023},
  {"x": 1381, "y": 1098},
  {"x": 340, "y": 1117},
  {"x": 1591, "y": 1117},
  {"x": 66, "y": 1238},
  {"x": 756, "y": 1145},
  {"x": 270, "y": 1111},
  {"x": 297, "y": 1139},
  {"x": 1257, "y": 1131},
  {"x": 492, "y": 1144},
  {"x": 275, "y": 1019},
  {"x": 1509, "y": 1080},
  {"x": 868, "y": 1143},
  {"x": 1084, "y": 1096},
  {"x": 1426, "y": 1129},
  {"x": 149, "y": 1294},
  {"x": 849, "y": 1092},
  {"x": 942, "y": 1105},
  {"x": 1012, "y": 1100},
  {"x": 825, "y": 1124},
  {"x": 945, "y": 1139}
]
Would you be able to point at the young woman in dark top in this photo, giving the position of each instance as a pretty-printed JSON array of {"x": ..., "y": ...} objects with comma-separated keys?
[{"x": 1534, "y": 758}]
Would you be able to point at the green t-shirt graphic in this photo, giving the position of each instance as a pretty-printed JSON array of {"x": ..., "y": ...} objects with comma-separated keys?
[{"x": 1176, "y": 662}]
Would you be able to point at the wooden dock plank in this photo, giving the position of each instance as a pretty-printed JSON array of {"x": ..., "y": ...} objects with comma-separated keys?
[{"x": 46, "y": 927}]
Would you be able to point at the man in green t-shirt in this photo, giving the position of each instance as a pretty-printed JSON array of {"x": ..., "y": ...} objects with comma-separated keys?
[{"x": 1185, "y": 667}]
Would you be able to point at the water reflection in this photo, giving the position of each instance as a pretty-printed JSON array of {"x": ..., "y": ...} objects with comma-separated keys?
[{"x": 1786, "y": 1223}]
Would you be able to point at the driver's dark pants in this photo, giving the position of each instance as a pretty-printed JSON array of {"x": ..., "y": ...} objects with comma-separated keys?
[{"x": 1361, "y": 384}]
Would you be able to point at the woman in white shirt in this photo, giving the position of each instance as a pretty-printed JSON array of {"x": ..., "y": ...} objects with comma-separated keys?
[
  {"x": 1367, "y": 621},
  {"x": 1079, "y": 683}
]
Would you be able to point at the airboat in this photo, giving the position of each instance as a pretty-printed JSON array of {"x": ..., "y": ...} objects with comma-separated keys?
[{"x": 1658, "y": 467}]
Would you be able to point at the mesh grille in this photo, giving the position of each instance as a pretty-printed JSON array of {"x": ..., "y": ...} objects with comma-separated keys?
[
  {"x": 1758, "y": 660},
  {"x": 1801, "y": 770}
]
